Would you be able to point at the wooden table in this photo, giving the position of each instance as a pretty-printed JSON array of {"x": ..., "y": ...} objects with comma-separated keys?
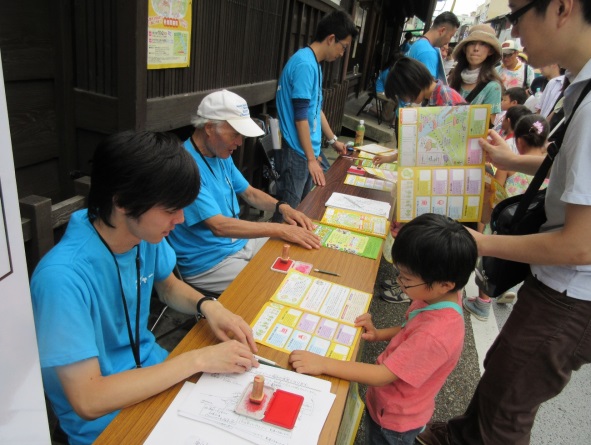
[{"x": 253, "y": 287}]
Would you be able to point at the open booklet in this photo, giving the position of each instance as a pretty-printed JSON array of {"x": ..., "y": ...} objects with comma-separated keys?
[
  {"x": 348, "y": 241},
  {"x": 356, "y": 221},
  {"x": 315, "y": 315}
]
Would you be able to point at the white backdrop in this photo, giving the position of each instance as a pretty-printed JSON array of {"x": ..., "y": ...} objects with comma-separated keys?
[{"x": 23, "y": 418}]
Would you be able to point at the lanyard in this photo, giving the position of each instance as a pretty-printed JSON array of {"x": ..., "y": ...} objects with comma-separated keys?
[
  {"x": 434, "y": 307},
  {"x": 133, "y": 344},
  {"x": 319, "y": 97},
  {"x": 230, "y": 206}
]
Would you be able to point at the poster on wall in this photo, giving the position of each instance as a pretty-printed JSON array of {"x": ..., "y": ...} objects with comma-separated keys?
[
  {"x": 5, "y": 260},
  {"x": 169, "y": 33}
]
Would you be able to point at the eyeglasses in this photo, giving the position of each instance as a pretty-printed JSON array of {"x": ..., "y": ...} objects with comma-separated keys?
[
  {"x": 509, "y": 54},
  {"x": 402, "y": 285},
  {"x": 513, "y": 17},
  {"x": 345, "y": 47}
]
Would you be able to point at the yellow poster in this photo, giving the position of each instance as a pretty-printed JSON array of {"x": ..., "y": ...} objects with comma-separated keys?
[{"x": 169, "y": 33}]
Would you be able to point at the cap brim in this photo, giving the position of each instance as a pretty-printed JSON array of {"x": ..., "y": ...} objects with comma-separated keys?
[{"x": 246, "y": 127}]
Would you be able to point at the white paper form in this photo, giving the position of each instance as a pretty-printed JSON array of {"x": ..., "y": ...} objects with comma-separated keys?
[
  {"x": 357, "y": 204},
  {"x": 214, "y": 397},
  {"x": 173, "y": 429}
]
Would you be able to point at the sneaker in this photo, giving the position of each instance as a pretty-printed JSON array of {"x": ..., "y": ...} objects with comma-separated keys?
[
  {"x": 435, "y": 433},
  {"x": 478, "y": 307},
  {"x": 507, "y": 297},
  {"x": 394, "y": 295}
]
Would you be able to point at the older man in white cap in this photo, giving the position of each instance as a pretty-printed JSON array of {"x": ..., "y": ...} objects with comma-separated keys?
[
  {"x": 213, "y": 245},
  {"x": 514, "y": 72}
]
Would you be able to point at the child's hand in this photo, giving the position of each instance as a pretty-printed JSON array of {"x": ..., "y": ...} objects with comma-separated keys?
[
  {"x": 305, "y": 362},
  {"x": 378, "y": 160},
  {"x": 370, "y": 333}
]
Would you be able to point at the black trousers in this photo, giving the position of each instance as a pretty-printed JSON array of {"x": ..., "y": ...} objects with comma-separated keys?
[{"x": 547, "y": 336}]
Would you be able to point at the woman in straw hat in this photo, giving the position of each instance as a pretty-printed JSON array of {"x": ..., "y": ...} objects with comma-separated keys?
[{"x": 474, "y": 75}]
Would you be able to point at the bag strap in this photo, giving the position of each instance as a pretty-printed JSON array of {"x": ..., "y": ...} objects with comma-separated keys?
[
  {"x": 475, "y": 92},
  {"x": 556, "y": 139}
]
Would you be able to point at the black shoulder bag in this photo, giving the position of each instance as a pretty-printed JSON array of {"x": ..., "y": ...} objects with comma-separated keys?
[{"x": 520, "y": 215}]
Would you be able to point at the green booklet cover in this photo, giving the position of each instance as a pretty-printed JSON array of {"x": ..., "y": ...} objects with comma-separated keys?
[{"x": 347, "y": 241}]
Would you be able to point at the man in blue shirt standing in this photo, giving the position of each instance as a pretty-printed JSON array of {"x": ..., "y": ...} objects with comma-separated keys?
[
  {"x": 299, "y": 105},
  {"x": 426, "y": 49}
]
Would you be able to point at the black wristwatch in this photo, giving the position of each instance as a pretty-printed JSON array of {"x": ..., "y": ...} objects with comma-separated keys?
[
  {"x": 278, "y": 204},
  {"x": 200, "y": 302}
]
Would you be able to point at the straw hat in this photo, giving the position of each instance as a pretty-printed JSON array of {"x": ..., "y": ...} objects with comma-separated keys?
[{"x": 480, "y": 33}]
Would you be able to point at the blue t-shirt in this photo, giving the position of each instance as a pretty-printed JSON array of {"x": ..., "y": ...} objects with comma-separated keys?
[
  {"x": 424, "y": 52},
  {"x": 301, "y": 79},
  {"x": 79, "y": 313},
  {"x": 196, "y": 247},
  {"x": 381, "y": 81}
]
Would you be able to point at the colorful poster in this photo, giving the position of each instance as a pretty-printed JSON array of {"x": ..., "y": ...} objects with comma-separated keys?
[
  {"x": 169, "y": 33},
  {"x": 440, "y": 163},
  {"x": 311, "y": 314}
]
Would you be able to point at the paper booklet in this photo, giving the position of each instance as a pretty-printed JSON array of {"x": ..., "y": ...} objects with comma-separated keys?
[
  {"x": 376, "y": 149},
  {"x": 391, "y": 166},
  {"x": 348, "y": 241},
  {"x": 356, "y": 221},
  {"x": 369, "y": 183},
  {"x": 357, "y": 204},
  {"x": 440, "y": 164},
  {"x": 312, "y": 314}
]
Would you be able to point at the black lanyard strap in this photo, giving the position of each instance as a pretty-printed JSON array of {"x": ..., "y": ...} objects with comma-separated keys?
[
  {"x": 230, "y": 203},
  {"x": 133, "y": 344}
]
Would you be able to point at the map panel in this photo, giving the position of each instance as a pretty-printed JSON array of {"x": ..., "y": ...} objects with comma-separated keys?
[{"x": 442, "y": 136}]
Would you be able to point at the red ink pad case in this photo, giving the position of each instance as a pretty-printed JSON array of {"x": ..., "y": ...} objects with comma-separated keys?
[
  {"x": 283, "y": 409},
  {"x": 281, "y": 266},
  {"x": 356, "y": 170}
]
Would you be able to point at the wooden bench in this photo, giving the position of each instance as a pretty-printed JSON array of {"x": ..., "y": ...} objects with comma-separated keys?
[{"x": 43, "y": 223}]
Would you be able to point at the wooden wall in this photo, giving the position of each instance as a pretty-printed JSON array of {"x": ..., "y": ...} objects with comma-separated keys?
[
  {"x": 28, "y": 53},
  {"x": 75, "y": 71}
]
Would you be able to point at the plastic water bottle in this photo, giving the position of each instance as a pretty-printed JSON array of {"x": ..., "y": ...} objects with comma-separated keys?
[
  {"x": 387, "y": 250},
  {"x": 538, "y": 94},
  {"x": 359, "y": 134}
]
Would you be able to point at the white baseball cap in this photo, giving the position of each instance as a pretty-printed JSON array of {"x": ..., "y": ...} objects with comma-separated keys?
[{"x": 226, "y": 106}]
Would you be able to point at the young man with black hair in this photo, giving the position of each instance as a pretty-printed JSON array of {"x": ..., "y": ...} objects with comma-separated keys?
[
  {"x": 546, "y": 337},
  {"x": 299, "y": 106},
  {"x": 426, "y": 49},
  {"x": 91, "y": 292}
]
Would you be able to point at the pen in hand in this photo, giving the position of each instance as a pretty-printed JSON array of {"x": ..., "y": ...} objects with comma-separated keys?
[{"x": 327, "y": 272}]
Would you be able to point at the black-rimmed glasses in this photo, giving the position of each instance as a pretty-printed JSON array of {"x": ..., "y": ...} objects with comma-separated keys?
[
  {"x": 345, "y": 47},
  {"x": 402, "y": 285},
  {"x": 514, "y": 16}
]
